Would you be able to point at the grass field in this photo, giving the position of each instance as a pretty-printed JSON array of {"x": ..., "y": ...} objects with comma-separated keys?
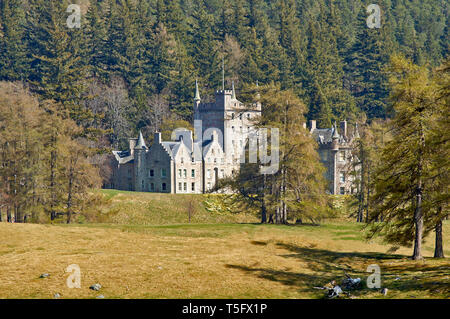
[{"x": 209, "y": 261}]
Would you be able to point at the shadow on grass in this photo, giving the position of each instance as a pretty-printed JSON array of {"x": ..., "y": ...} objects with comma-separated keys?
[{"x": 323, "y": 266}]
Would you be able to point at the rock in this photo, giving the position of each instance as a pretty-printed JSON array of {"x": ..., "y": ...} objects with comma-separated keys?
[
  {"x": 96, "y": 287},
  {"x": 351, "y": 283},
  {"x": 398, "y": 278},
  {"x": 56, "y": 296},
  {"x": 335, "y": 292},
  {"x": 44, "y": 275},
  {"x": 160, "y": 268},
  {"x": 384, "y": 291},
  {"x": 101, "y": 297}
]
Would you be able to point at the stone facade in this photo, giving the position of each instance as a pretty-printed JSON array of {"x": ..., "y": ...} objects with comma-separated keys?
[
  {"x": 222, "y": 128},
  {"x": 335, "y": 151},
  {"x": 186, "y": 165}
]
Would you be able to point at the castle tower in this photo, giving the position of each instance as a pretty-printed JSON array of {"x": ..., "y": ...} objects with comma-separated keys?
[
  {"x": 197, "y": 99},
  {"x": 139, "y": 154}
]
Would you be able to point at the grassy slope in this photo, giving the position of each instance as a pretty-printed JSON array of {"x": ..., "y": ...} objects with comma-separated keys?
[
  {"x": 133, "y": 208},
  {"x": 208, "y": 261}
]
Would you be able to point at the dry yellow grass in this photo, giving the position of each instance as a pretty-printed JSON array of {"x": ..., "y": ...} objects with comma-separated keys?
[{"x": 207, "y": 261}]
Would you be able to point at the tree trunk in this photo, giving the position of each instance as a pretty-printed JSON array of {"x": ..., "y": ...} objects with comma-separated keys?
[
  {"x": 263, "y": 213},
  {"x": 439, "y": 247},
  {"x": 69, "y": 195},
  {"x": 8, "y": 214},
  {"x": 418, "y": 220},
  {"x": 418, "y": 216},
  {"x": 368, "y": 192}
]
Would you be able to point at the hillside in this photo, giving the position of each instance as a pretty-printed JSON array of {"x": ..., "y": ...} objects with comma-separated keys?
[
  {"x": 134, "y": 208},
  {"x": 208, "y": 261}
]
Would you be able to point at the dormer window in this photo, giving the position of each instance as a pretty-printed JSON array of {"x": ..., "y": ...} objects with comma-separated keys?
[{"x": 232, "y": 116}]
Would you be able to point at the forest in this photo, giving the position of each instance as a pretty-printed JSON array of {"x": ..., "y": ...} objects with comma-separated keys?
[
  {"x": 69, "y": 95},
  {"x": 132, "y": 63}
]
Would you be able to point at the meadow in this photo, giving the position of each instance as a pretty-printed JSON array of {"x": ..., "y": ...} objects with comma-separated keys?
[{"x": 217, "y": 255}]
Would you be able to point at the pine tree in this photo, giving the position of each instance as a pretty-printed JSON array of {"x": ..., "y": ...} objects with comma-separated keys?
[
  {"x": 13, "y": 57},
  {"x": 58, "y": 72},
  {"x": 365, "y": 65},
  {"x": 404, "y": 180}
]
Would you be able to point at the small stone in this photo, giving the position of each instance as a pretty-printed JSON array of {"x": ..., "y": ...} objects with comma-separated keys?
[
  {"x": 96, "y": 287},
  {"x": 101, "y": 297},
  {"x": 160, "y": 268},
  {"x": 335, "y": 292},
  {"x": 398, "y": 278},
  {"x": 44, "y": 275},
  {"x": 384, "y": 291},
  {"x": 57, "y": 296}
]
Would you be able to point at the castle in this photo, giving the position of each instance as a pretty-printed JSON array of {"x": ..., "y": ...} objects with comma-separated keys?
[
  {"x": 193, "y": 166},
  {"x": 335, "y": 151},
  {"x": 185, "y": 165}
]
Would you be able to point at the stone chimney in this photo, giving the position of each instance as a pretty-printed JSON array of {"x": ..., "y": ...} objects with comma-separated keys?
[
  {"x": 312, "y": 125},
  {"x": 214, "y": 136},
  {"x": 344, "y": 128},
  {"x": 132, "y": 143},
  {"x": 157, "y": 138},
  {"x": 185, "y": 136}
]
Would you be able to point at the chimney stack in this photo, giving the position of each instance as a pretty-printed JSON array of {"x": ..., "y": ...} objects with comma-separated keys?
[
  {"x": 157, "y": 138},
  {"x": 344, "y": 128},
  {"x": 132, "y": 144},
  {"x": 312, "y": 125}
]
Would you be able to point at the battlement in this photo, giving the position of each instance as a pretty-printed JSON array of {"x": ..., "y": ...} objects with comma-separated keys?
[{"x": 224, "y": 92}]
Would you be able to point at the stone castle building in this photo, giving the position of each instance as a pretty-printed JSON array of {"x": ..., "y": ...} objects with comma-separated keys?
[
  {"x": 188, "y": 165},
  {"x": 335, "y": 151}
]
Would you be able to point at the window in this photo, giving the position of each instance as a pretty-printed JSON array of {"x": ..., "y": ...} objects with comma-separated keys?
[
  {"x": 151, "y": 173},
  {"x": 232, "y": 128},
  {"x": 182, "y": 160},
  {"x": 232, "y": 116},
  {"x": 324, "y": 155},
  {"x": 164, "y": 187},
  {"x": 193, "y": 187},
  {"x": 193, "y": 173},
  {"x": 248, "y": 115},
  {"x": 342, "y": 190},
  {"x": 180, "y": 187},
  {"x": 179, "y": 173},
  {"x": 222, "y": 173},
  {"x": 342, "y": 156},
  {"x": 142, "y": 185},
  {"x": 240, "y": 116},
  {"x": 152, "y": 187},
  {"x": 215, "y": 160},
  {"x": 240, "y": 128},
  {"x": 163, "y": 172},
  {"x": 208, "y": 173},
  {"x": 185, "y": 173},
  {"x": 209, "y": 185},
  {"x": 342, "y": 177},
  {"x": 185, "y": 187}
]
